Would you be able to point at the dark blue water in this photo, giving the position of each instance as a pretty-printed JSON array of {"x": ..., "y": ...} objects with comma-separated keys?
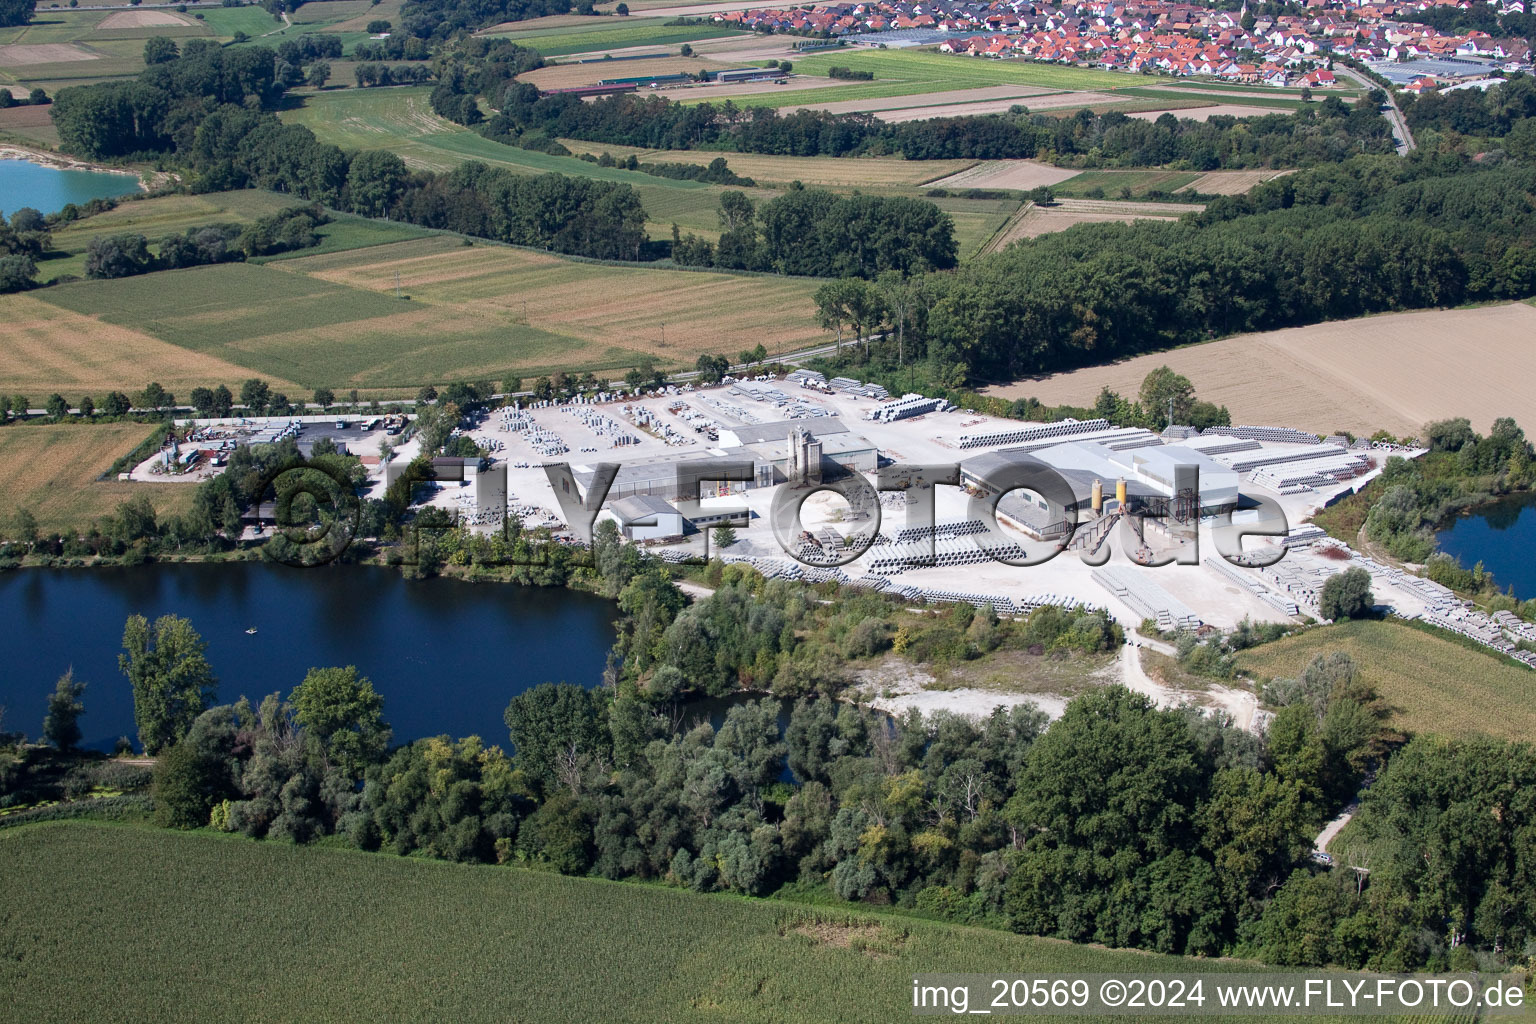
[
  {"x": 446, "y": 656},
  {"x": 1501, "y": 535},
  {"x": 49, "y": 189}
]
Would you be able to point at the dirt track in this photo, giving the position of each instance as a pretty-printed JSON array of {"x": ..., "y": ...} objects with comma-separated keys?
[{"x": 1393, "y": 372}]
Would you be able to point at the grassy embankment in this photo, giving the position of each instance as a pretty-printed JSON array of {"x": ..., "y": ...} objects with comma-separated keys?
[{"x": 1435, "y": 683}]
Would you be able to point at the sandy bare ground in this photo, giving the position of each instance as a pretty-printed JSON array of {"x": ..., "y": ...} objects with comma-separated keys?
[
  {"x": 143, "y": 19},
  {"x": 1019, "y": 174},
  {"x": 932, "y": 99},
  {"x": 568, "y": 76},
  {"x": 1231, "y": 183},
  {"x": 1391, "y": 372},
  {"x": 748, "y": 47},
  {"x": 21, "y": 54},
  {"x": 1206, "y": 113}
]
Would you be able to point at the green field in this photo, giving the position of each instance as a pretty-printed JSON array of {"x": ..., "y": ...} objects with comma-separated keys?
[
  {"x": 613, "y": 34},
  {"x": 121, "y": 923},
  {"x": 915, "y": 72},
  {"x": 401, "y": 120},
  {"x": 330, "y": 317},
  {"x": 1435, "y": 684},
  {"x": 312, "y": 331},
  {"x": 1112, "y": 182}
]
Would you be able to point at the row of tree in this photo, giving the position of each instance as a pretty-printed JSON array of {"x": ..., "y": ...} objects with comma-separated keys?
[
  {"x": 1327, "y": 132},
  {"x": 1369, "y": 235},
  {"x": 207, "y": 110},
  {"x": 125, "y": 255},
  {"x": 817, "y": 233}
]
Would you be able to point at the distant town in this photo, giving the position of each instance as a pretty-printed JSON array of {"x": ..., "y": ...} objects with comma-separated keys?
[{"x": 1176, "y": 38}]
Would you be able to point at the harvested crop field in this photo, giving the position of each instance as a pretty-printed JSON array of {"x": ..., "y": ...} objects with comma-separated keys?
[
  {"x": 569, "y": 76},
  {"x": 143, "y": 19},
  {"x": 713, "y": 93},
  {"x": 597, "y": 308},
  {"x": 865, "y": 172},
  {"x": 1231, "y": 183},
  {"x": 1066, "y": 213},
  {"x": 1053, "y": 101},
  {"x": 1206, "y": 113},
  {"x": 1013, "y": 174},
  {"x": 1391, "y": 372},
  {"x": 52, "y": 469},
  {"x": 333, "y": 320},
  {"x": 24, "y": 54},
  {"x": 932, "y": 99},
  {"x": 45, "y": 348}
]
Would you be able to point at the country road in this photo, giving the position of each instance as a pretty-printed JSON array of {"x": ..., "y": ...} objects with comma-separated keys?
[{"x": 1400, "y": 132}]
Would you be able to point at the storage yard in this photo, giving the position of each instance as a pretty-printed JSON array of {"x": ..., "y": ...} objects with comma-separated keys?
[{"x": 1128, "y": 524}]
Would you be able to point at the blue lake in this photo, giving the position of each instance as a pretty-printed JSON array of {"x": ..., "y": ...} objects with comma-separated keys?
[
  {"x": 446, "y": 656},
  {"x": 49, "y": 189},
  {"x": 1501, "y": 535}
]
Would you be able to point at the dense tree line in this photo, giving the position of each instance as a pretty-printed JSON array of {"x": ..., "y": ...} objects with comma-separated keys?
[
  {"x": 371, "y": 74},
  {"x": 125, "y": 255},
  {"x": 1327, "y": 132},
  {"x": 38, "y": 97},
  {"x": 205, "y": 110},
  {"x": 393, "y": 48},
  {"x": 1412, "y": 499},
  {"x": 16, "y": 12},
  {"x": 1506, "y": 113},
  {"x": 817, "y": 233},
  {"x": 443, "y": 19},
  {"x": 23, "y": 239},
  {"x": 1119, "y": 824},
  {"x": 716, "y": 172},
  {"x": 1368, "y": 235}
]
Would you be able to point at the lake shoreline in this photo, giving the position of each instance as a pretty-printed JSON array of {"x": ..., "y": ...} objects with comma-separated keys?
[{"x": 60, "y": 162}]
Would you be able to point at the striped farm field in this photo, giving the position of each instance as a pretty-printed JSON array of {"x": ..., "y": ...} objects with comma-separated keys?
[
  {"x": 124, "y": 923},
  {"x": 600, "y": 309},
  {"x": 467, "y": 312},
  {"x": 53, "y": 470},
  {"x": 45, "y": 347},
  {"x": 1435, "y": 684}
]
